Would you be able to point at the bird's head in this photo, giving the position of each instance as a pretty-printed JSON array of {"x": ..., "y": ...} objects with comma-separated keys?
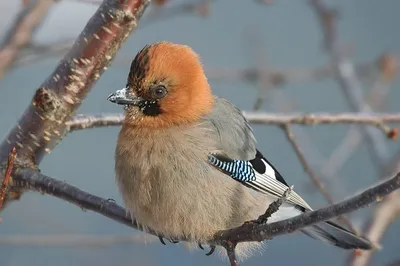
[{"x": 166, "y": 86}]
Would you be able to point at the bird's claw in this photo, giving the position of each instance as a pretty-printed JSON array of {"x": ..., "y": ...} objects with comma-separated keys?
[
  {"x": 212, "y": 249},
  {"x": 169, "y": 239},
  {"x": 260, "y": 220},
  {"x": 252, "y": 222},
  {"x": 161, "y": 240}
]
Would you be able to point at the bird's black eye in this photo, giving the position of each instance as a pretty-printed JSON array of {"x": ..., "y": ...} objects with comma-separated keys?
[{"x": 159, "y": 91}]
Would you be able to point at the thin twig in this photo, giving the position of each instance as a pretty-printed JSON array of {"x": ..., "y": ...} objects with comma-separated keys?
[
  {"x": 377, "y": 97},
  {"x": 80, "y": 122},
  {"x": 376, "y": 120},
  {"x": 163, "y": 12},
  {"x": 20, "y": 34},
  {"x": 40, "y": 52},
  {"x": 7, "y": 175},
  {"x": 275, "y": 77},
  {"x": 347, "y": 78},
  {"x": 351, "y": 87},
  {"x": 60, "y": 48},
  {"x": 342, "y": 152},
  {"x": 185, "y": 8},
  {"x": 289, "y": 136},
  {"x": 307, "y": 168},
  {"x": 274, "y": 206},
  {"x": 383, "y": 216}
]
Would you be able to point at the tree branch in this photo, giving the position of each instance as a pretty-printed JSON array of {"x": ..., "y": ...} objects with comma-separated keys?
[
  {"x": 249, "y": 232},
  {"x": 32, "y": 180},
  {"x": 42, "y": 125},
  {"x": 280, "y": 77},
  {"x": 352, "y": 90},
  {"x": 80, "y": 122},
  {"x": 384, "y": 215},
  {"x": 307, "y": 168},
  {"x": 347, "y": 78}
]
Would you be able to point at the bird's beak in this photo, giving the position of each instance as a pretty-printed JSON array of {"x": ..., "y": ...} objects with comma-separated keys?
[{"x": 122, "y": 97}]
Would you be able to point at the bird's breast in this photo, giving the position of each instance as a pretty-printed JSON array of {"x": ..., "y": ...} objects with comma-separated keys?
[{"x": 165, "y": 176}]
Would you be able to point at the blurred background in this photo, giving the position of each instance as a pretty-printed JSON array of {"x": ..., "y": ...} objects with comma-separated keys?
[{"x": 264, "y": 56}]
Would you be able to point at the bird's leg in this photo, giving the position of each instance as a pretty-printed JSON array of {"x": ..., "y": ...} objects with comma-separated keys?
[
  {"x": 272, "y": 208},
  {"x": 230, "y": 250}
]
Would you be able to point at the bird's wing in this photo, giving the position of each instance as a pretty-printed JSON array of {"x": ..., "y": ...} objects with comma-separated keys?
[
  {"x": 239, "y": 159},
  {"x": 261, "y": 176},
  {"x": 258, "y": 174},
  {"x": 236, "y": 138},
  {"x": 238, "y": 156}
]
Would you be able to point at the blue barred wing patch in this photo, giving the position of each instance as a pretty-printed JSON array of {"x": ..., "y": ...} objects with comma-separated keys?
[
  {"x": 257, "y": 174},
  {"x": 237, "y": 169}
]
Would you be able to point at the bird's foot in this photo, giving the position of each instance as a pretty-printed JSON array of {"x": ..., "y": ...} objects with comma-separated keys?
[
  {"x": 212, "y": 249},
  {"x": 262, "y": 219},
  {"x": 171, "y": 240},
  {"x": 258, "y": 221}
]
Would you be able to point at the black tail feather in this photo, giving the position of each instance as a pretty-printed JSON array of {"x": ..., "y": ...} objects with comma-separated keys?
[{"x": 337, "y": 235}]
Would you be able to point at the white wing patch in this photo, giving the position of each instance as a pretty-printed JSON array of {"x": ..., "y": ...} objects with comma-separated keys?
[
  {"x": 267, "y": 183},
  {"x": 269, "y": 170}
]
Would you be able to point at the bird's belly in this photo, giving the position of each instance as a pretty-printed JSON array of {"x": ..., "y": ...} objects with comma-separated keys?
[
  {"x": 165, "y": 200},
  {"x": 181, "y": 198}
]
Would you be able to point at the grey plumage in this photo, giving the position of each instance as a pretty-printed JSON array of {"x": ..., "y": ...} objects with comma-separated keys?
[{"x": 236, "y": 138}]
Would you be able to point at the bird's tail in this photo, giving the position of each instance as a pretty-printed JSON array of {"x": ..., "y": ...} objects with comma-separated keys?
[{"x": 336, "y": 235}]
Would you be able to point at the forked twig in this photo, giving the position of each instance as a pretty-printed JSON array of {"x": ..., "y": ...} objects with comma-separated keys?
[
  {"x": 274, "y": 206},
  {"x": 307, "y": 168}
]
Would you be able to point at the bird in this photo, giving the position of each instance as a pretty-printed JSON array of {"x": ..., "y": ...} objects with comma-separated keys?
[{"x": 186, "y": 161}]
